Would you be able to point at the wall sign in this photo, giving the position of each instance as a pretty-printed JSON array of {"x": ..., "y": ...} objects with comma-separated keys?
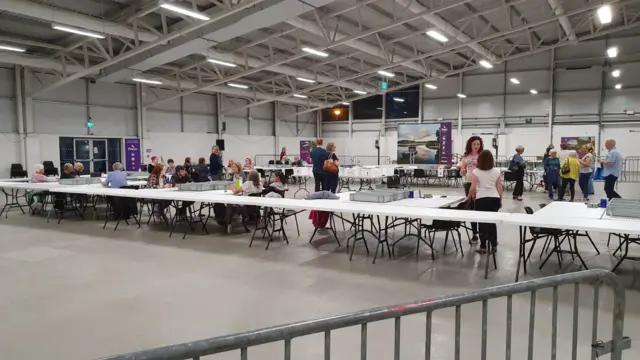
[{"x": 132, "y": 154}]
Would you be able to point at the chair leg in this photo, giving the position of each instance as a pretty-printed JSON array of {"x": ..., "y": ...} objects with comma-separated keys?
[{"x": 295, "y": 216}]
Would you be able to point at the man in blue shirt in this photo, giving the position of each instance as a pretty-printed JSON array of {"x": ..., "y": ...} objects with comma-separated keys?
[
  {"x": 318, "y": 157},
  {"x": 117, "y": 178},
  {"x": 611, "y": 169}
]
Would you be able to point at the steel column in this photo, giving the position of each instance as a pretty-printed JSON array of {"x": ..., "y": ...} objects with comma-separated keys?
[
  {"x": 552, "y": 93},
  {"x": 20, "y": 116}
]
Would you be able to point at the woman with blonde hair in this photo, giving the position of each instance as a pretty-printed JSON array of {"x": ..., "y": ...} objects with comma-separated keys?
[
  {"x": 569, "y": 172},
  {"x": 332, "y": 178},
  {"x": 587, "y": 164}
]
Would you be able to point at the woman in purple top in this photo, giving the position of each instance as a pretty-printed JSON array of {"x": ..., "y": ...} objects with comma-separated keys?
[{"x": 468, "y": 163}]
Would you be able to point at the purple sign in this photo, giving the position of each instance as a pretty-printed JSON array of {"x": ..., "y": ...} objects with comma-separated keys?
[
  {"x": 305, "y": 151},
  {"x": 446, "y": 155},
  {"x": 132, "y": 154}
]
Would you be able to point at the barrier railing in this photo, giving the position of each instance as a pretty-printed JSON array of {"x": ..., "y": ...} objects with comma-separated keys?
[
  {"x": 366, "y": 160},
  {"x": 631, "y": 169},
  {"x": 287, "y": 333}
]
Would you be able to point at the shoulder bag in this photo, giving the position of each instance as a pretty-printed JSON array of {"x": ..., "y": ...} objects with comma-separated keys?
[{"x": 330, "y": 166}]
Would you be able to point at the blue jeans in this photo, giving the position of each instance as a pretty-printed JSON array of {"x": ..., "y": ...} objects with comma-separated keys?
[
  {"x": 583, "y": 181},
  {"x": 553, "y": 183}
]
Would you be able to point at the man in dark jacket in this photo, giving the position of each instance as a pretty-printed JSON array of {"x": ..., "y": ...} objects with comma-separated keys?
[
  {"x": 201, "y": 171},
  {"x": 181, "y": 177},
  {"x": 318, "y": 157},
  {"x": 215, "y": 163}
]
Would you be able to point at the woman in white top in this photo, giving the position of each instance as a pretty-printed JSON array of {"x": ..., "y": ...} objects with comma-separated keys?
[
  {"x": 486, "y": 193},
  {"x": 467, "y": 165}
]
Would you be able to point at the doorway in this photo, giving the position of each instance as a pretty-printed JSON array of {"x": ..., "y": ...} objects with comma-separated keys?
[{"x": 92, "y": 153}]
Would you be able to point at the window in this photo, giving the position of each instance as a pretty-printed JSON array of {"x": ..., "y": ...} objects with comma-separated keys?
[
  {"x": 369, "y": 108},
  {"x": 66, "y": 152},
  {"x": 404, "y": 103}
]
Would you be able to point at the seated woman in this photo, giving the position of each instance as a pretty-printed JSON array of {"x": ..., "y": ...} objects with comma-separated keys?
[
  {"x": 248, "y": 164},
  {"x": 78, "y": 168},
  {"x": 68, "y": 172},
  {"x": 277, "y": 186},
  {"x": 39, "y": 176},
  {"x": 251, "y": 186},
  {"x": 238, "y": 173},
  {"x": 188, "y": 166},
  {"x": 156, "y": 181},
  {"x": 35, "y": 196},
  {"x": 202, "y": 170}
]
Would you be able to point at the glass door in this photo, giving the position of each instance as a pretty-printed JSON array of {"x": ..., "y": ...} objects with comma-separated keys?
[{"x": 92, "y": 154}]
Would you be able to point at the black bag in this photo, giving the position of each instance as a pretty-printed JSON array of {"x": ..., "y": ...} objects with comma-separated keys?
[{"x": 514, "y": 165}]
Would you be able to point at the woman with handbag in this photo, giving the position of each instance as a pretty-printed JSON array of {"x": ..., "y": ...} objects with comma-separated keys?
[
  {"x": 569, "y": 172},
  {"x": 517, "y": 166},
  {"x": 331, "y": 168}
]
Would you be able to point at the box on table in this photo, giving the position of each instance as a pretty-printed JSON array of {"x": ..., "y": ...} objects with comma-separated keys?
[
  {"x": 80, "y": 181},
  {"x": 624, "y": 208},
  {"x": 206, "y": 186},
  {"x": 371, "y": 196}
]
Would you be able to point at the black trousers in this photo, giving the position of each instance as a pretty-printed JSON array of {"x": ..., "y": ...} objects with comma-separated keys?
[
  {"x": 331, "y": 182},
  {"x": 319, "y": 179},
  {"x": 610, "y": 187},
  {"x": 563, "y": 188},
  {"x": 488, "y": 232},
  {"x": 474, "y": 226},
  {"x": 518, "y": 189}
]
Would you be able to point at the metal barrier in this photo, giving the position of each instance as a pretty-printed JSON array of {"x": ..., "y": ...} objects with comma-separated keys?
[
  {"x": 286, "y": 333},
  {"x": 366, "y": 160},
  {"x": 263, "y": 159},
  {"x": 631, "y": 169}
]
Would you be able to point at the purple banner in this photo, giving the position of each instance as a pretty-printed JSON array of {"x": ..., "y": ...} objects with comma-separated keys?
[
  {"x": 132, "y": 154},
  {"x": 305, "y": 151},
  {"x": 446, "y": 155}
]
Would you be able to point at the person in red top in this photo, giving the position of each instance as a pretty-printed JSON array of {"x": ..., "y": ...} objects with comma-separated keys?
[{"x": 283, "y": 153}]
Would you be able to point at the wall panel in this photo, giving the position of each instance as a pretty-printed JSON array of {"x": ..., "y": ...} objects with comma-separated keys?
[
  {"x": 440, "y": 108},
  {"x": 483, "y": 107},
  {"x": 8, "y": 117}
]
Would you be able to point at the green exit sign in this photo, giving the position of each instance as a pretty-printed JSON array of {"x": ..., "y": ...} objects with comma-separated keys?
[
  {"x": 89, "y": 124},
  {"x": 383, "y": 85}
]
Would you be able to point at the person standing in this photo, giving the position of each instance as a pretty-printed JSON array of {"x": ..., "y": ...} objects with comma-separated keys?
[
  {"x": 544, "y": 165},
  {"x": 611, "y": 169},
  {"x": 518, "y": 166},
  {"x": 569, "y": 172},
  {"x": 564, "y": 152},
  {"x": 318, "y": 156},
  {"x": 552, "y": 171},
  {"x": 215, "y": 163},
  {"x": 586, "y": 170},
  {"x": 283, "y": 154},
  {"x": 331, "y": 178},
  {"x": 486, "y": 192},
  {"x": 467, "y": 165}
]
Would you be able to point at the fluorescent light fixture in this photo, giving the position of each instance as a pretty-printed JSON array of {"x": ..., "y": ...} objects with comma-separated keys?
[
  {"x": 618, "y": 86},
  {"x": 186, "y": 12},
  {"x": 360, "y": 92},
  {"x": 431, "y": 86},
  {"x": 220, "y": 62},
  {"x": 239, "y": 86},
  {"x": 12, "y": 48},
  {"x": 400, "y": 100},
  {"x": 533, "y": 91},
  {"x": 461, "y": 96},
  {"x": 77, "y": 31},
  {"x": 386, "y": 73},
  {"x": 436, "y": 35},
  {"x": 146, "y": 81},
  {"x": 612, "y": 51},
  {"x": 604, "y": 14},
  {"x": 486, "y": 64},
  {"x": 300, "y": 96},
  {"x": 615, "y": 73},
  {"x": 345, "y": 103},
  {"x": 379, "y": 109},
  {"x": 315, "y": 52},
  {"x": 306, "y": 80},
  {"x": 514, "y": 81}
]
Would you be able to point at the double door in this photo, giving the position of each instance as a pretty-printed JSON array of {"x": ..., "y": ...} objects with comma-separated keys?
[{"x": 92, "y": 153}]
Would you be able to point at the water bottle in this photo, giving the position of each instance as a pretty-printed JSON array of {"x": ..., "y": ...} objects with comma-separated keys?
[{"x": 238, "y": 184}]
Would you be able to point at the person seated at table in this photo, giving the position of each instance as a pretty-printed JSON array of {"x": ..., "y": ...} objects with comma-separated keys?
[
  {"x": 248, "y": 164},
  {"x": 486, "y": 192},
  {"x": 154, "y": 163},
  {"x": 38, "y": 176},
  {"x": 78, "y": 169},
  {"x": 181, "y": 177},
  {"x": 116, "y": 178},
  {"x": 171, "y": 168},
  {"x": 298, "y": 162},
  {"x": 202, "y": 170},
  {"x": 68, "y": 172},
  {"x": 188, "y": 166},
  {"x": 155, "y": 181},
  {"x": 552, "y": 170},
  {"x": 569, "y": 172},
  {"x": 251, "y": 186},
  {"x": 277, "y": 186},
  {"x": 236, "y": 172}
]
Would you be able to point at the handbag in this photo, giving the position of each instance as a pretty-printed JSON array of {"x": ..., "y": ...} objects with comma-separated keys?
[
  {"x": 330, "y": 166},
  {"x": 565, "y": 168},
  {"x": 514, "y": 165}
]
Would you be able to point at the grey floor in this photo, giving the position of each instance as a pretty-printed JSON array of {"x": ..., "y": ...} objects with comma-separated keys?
[{"x": 75, "y": 291}]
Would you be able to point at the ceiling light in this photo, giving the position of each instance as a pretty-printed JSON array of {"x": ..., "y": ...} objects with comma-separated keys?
[
  {"x": 146, "y": 81},
  {"x": 315, "y": 52},
  {"x": 239, "y": 86},
  {"x": 514, "y": 81},
  {"x": 461, "y": 96},
  {"x": 300, "y": 96},
  {"x": 436, "y": 35},
  {"x": 186, "y": 12},
  {"x": 386, "y": 73},
  {"x": 533, "y": 91},
  {"x": 379, "y": 109},
  {"x": 618, "y": 86},
  {"x": 345, "y": 103},
  {"x": 220, "y": 62},
  {"x": 612, "y": 51},
  {"x": 400, "y": 100},
  {"x": 337, "y": 111},
  {"x": 431, "y": 86},
  {"x": 604, "y": 14},
  {"x": 486, "y": 64},
  {"x": 306, "y": 80},
  {"x": 360, "y": 92},
  {"x": 77, "y": 31},
  {"x": 12, "y": 48},
  {"x": 615, "y": 73}
]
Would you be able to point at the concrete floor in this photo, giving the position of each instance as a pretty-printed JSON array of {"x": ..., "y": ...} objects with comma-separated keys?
[{"x": 75, "y": 291}]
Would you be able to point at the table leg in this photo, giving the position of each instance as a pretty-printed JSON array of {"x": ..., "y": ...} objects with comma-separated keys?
[
  {"x": 626, "y": 252},
  {"x": 522, "y": 230}
]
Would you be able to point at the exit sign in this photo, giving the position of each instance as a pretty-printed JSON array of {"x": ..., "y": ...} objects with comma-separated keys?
[{"x": 383, "y": 85}]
